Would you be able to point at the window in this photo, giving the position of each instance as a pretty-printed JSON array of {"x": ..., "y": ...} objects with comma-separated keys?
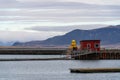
[
  {"x": 88, "y": 46},
  {"x": 97, "y": 45}
]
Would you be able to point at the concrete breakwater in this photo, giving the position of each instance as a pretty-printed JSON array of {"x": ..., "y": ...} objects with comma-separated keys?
[{"x": 33, "y": 51}]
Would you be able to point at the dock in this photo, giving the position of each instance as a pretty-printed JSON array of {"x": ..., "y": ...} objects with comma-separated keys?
[
  {"x": 94, "y": 70},
  {"x": 98, "y": 55},
  {"x": 91, "y": 50}
]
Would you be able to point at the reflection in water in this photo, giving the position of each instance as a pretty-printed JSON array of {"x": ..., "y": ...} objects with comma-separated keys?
[{"x": 29, "y": 56}]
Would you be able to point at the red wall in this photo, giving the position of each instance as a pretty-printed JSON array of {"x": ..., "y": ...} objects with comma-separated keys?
[{"x": 93, "y": 45}]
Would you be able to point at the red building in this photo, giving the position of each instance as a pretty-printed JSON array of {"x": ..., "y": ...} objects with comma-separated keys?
[{"x": 92, "y": 45}]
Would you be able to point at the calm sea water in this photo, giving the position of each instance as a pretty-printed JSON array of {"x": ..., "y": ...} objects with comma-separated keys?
[{"x": 55, "y": 69}]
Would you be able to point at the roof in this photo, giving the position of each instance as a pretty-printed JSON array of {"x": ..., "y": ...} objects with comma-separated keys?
[{"x": 88, "y": 40}]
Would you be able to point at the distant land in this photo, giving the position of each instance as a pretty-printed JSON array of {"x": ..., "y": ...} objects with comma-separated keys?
[
  {"x": 6, "y": 43},
  {"x": 109, "y": 35}
]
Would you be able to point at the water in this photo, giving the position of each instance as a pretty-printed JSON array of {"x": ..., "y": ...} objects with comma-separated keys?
[
  {"x": 29, "y": 56},
  {"x": 56, "y": 70}
]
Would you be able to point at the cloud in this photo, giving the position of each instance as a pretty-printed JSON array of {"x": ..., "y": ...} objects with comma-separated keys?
[
  {"x": 8, "y": 3},
  {"x": 100, "y": 2},
  {"x": 64, "y": 29},
  {"x": 55, "y": 10},
  {"x": 54, "y": 17},
  {"x": 60, "y": 15},
  {"x": 26, "y": 36},
  {"x": 66, "y": 4}
]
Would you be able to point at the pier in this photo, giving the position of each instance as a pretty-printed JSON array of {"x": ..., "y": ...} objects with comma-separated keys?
[
  {"x": 91, "y": 50},
  {"x": 98, "y": 55}
]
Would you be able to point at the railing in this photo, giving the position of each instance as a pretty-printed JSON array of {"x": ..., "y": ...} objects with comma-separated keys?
[{"x": 110, "y": 51}]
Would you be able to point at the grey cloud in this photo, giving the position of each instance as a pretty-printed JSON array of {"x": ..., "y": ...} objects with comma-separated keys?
[
  {"x": 38, "y": 20},
  {"x": 53, "y": 4},
  {"x": 52, "y": 11},
  {"x": 8, "y": 3},
  {"x": 57, "y": 11},
  {"x": 67, "y": 5},
  {"x": 25, "y": 36},
  {"x": 60, "y": 15},
  {"x": 61, "y": 9},
  {"x": 46, "y": 28},
  {"x": 64, "y": 28},
  {"x": 42, "y": 4}
]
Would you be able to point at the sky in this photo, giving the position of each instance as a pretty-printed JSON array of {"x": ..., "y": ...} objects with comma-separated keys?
[{"x": 26, "y": 20}]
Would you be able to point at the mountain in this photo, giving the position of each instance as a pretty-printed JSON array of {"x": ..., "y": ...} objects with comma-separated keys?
[{"x": 107, "y": 35}]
